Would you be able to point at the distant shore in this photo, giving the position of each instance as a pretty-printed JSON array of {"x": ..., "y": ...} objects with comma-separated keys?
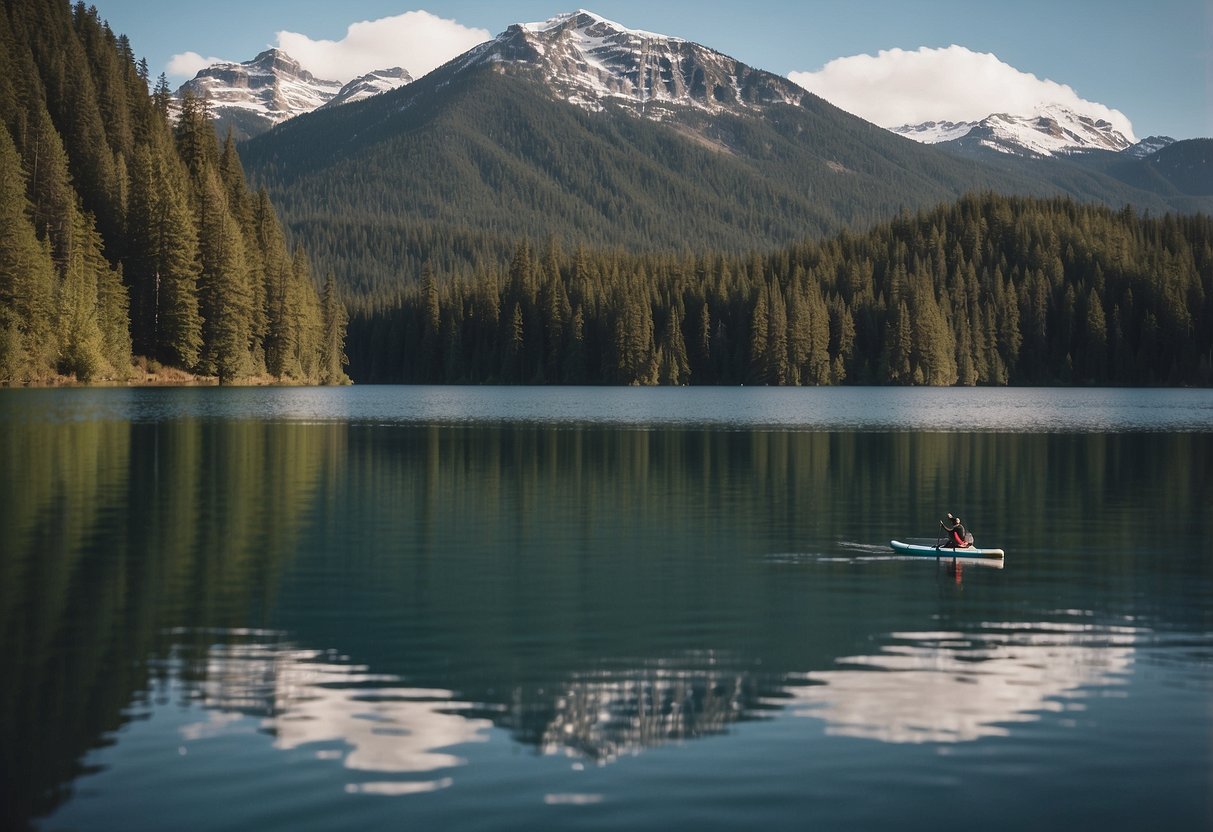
[{"x": 158, "y": 377}]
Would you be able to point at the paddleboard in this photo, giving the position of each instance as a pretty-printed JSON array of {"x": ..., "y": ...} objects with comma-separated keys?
[{"x": 944, "y": 551}]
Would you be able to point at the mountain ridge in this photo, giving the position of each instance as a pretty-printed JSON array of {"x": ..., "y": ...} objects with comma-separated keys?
[
  {"x": 593, "y": 61},
  {"x": 1050, "y": 130},
  {"x": 252, "y": 97},
  {"x": 680, "y": 147}
]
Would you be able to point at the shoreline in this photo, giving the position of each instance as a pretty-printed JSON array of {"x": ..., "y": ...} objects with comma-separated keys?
[{"x": 162, "y": 378}]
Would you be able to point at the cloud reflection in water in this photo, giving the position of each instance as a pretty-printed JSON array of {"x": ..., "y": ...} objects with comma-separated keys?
[
  {"x": 920, "y": 687},
  {"x": 958, "y": 686},
  {"x": 305, "y": 697}
]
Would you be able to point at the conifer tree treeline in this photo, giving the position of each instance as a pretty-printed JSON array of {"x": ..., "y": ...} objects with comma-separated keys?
[
  {"x": 990, "y": 290},
  {"x": 122, "y": 233}
]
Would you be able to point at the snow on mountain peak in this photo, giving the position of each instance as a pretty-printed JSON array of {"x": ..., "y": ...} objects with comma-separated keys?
[
  {"x": 373, "y": 83},
  {"x": 585, "y": 20},
  {"x": 591, "y": 62},
  {"x": 934, "y": 132},
  {"x": 1050, "y": 130},
  {"x": 1149, "y": 146},
  {"x": 254, "y": 96}
]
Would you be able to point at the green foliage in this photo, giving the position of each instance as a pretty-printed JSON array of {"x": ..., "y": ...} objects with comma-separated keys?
[
  {"x": 122, "y": 233},
  {"x": 332, "y": 349},
  {"x": 26, "y": 277},
  {"x": 989, "y": 290},
  {"x": 454, "y": 169}
]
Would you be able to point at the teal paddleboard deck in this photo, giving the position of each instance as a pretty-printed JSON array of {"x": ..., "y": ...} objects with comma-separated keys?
[{"x": 923, "y": 550}]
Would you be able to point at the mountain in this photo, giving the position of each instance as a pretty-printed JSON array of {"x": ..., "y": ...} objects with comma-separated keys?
[
  {"x": 255, "y": 96},
  {"x": 1188, "y": 165},
  {"x": 593, "y": 62},
  {"x": 1051, "y": 130},
  {"x": 1183, "y": 170},
  {"x": 1055, "y": 141},
  {"x": 587, "y": 132},
  {"x": 373, "y": 83},
  {"x": 1179, "y": 172},
  {"x": 1148, "y": 146}
]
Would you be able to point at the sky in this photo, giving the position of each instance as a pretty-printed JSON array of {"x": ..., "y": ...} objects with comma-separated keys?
[{"x": 1147, "y": 65}]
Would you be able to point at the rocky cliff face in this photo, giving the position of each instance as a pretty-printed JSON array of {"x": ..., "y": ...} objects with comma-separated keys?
[
  {"x": 254, "y": 96},
  {"x": 595, "y": 63}
]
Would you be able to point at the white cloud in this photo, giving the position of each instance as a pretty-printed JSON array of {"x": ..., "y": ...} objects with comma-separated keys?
[
  {"x": 897, "y": 87},
  {"x": 418, "y": 41},
  {"x": 189, "y": 64}
]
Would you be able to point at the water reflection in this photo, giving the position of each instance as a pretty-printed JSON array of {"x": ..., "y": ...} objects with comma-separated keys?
[
  {"x": 920, "y": 687},
  {"x": 307, "y": 697},
  {"x": 590, "y": 591},
  {"x": 310, "y": 698},
  {"x": 962, "y": 686},
  {"x": 612, "y": 714}
]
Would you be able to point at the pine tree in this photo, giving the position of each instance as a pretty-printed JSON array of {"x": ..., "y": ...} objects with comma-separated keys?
[
  {"x": 760, "y": 333},
  {"x": 161, "y": 268},
  {"x": 279, "y": 338},
  {"x": 574, "y": 369},
  {"x": 162, "y": 97},
  {"x": 673, "y": 366},
  {"x": 196, "y": 139},
  {"x": 818, "y": 366},
  {"x": 50, "y": 187},
  {"x": 778, "y": 371},
  {"x": 511, "y": 369},
  {"x": 332, "y": 353},
  {"x": 798, "y": 331},
  {"x": 81, "y": 342},
  {"x": 304, "y": 308},
  {"x": 225, "y": 298},
  {"x": 842, "y": 339},
  {"x": 635, "y": 352},
  {"x": 178, "y": 330},
  {"x": 431, "y": 325},
  {"x": 900, "y": 342},
  {"x": 26, "y": 278},
  {"x": 1095, "y": 339}
]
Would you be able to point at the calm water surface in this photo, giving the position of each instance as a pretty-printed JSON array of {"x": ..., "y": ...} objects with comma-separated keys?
[{"x": 485, "y": 608}]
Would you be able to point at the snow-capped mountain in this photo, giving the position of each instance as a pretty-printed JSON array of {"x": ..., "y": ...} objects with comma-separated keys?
[
  {"x": 593, "y": 62},
  {"x": 373, "y": 83},
  {"x": 536, "y": 134},
  {"x": 1149, "y": 146},
  {"x": 934, "y": 132},
  {"x": 254, "y": 96},
  {"x": 1051, "y": 130}
]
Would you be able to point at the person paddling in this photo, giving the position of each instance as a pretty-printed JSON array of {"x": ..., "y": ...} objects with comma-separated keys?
[{"x": 958, "y": 538}]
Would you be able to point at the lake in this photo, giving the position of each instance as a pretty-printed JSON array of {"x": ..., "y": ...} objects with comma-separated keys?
[{"x": 550, "y": 608}]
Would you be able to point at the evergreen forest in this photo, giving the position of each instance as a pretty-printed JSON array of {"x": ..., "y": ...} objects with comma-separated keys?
[
  {"x": 455, "y": 168},
  {"x": 989, "y": 290},
  {"x": 128, "y": 234}
]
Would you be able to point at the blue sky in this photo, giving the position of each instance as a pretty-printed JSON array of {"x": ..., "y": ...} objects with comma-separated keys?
[{"x": 1151, "y": 61}]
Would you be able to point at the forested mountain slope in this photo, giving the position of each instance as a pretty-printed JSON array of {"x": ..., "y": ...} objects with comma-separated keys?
[
  {"x": 123, "y": 235},
  {"x": 684, "y": 150},
  {"x": 987, "y": 290}
]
